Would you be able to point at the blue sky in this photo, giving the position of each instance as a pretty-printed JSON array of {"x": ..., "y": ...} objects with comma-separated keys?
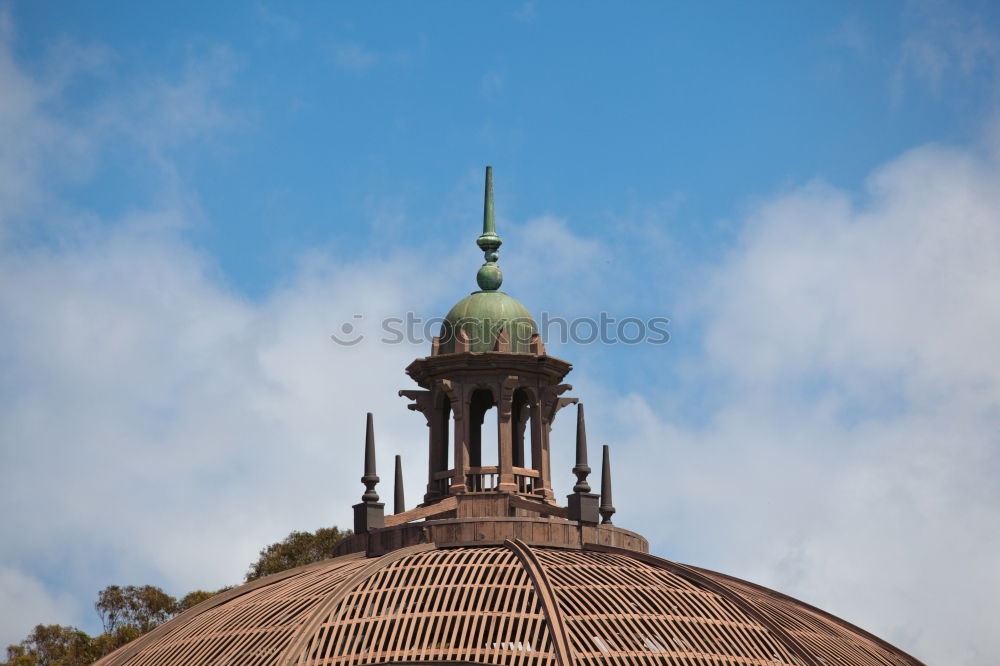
[
  {"x": 374, "y": 110},
  {"x": 193, "y": 197}
]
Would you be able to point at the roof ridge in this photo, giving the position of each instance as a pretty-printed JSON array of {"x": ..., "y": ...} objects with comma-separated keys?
[{"x": 564, "y": 656}]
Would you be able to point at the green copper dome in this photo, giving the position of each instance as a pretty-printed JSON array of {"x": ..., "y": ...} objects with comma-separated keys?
[{"x": 483, "y": 314}]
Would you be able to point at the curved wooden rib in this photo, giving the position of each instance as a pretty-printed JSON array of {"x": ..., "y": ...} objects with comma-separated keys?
[{"x": 547, "y": 597}]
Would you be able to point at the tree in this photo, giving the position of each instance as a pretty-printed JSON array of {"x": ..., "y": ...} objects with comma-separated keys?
[
  {"x": 138, "y": 607},
  {"x": 296, "y": 549},
  {"x": 196, "y": 597},
  {"x": 53, "y": 645}
]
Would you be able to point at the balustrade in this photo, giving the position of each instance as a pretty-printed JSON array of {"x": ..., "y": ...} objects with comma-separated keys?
[{"x": 487, "y": 479}]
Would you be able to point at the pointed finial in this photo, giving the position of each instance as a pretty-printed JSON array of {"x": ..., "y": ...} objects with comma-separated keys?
[
  {"x": 370, "y": 478},
  {"x": 607, "y": 509},
  {"x": 489, "y": 277},
  {"x": 581, "y": 469},
  {"x": 489, "y": 215},
  {"x": 399, "y": 504}
]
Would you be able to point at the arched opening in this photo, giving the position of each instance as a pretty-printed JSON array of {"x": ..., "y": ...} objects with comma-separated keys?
[{"x": 482, "y": 429}]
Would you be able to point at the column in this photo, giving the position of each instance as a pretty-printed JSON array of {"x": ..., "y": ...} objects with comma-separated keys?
[{"x": 460, "y": 407}]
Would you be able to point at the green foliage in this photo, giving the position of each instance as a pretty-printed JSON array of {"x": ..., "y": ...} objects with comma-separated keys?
[
  {"x": 139, "y": 607},
  {"x": 56, "y": 645},
  {"x": 295, "y": 550},
  {"x": 53, "y": 645},
  {"x": 196, "y": 597}
]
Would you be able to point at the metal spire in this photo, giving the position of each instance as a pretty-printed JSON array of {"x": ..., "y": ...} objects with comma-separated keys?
[
  {"x": 489, "y": 215},
  {"x": 581, "y": 469},
  {"x": 370, "y": 478},
  {"x": 607, "y": 509},
  {"x": 489, "y": 277},
  {"x": 399, "y": 504}
]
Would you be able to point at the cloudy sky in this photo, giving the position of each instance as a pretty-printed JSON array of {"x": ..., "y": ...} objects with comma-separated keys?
[{"x": 194, "y": 197}]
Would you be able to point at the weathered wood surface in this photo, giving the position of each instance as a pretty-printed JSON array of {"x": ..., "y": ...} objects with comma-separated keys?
[{"x": 510, "y": 604}]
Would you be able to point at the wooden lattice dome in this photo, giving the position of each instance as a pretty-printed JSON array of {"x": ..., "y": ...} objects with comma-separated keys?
[
  {"x": 511, "y": 604},
  {"x": 489, "y": 568}
]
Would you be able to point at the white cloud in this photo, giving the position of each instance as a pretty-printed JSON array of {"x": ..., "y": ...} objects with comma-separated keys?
[
  {"x": 546, "y": 250},
  {"x": 31, "y": 141},
  {"x": 25, "y": 602},
  {"x": 852, "y": 451},
  {"x": 154, "y": 414},
  {"x": 946, "y": 42},
  {"x": 157, "y": 427},
  {"x": 154, "y": 422}
]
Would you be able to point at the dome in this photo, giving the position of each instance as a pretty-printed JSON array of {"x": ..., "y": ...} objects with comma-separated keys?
[
  {"x": 507, "y": 604},
  {"x": 482, "y": 315},
  {"x": 489, "y": 568}
]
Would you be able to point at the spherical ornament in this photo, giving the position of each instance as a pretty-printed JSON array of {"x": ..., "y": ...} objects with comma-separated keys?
[{"x": 489, "y": 277}]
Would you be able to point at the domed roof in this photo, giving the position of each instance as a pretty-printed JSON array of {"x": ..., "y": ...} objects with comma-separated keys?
[
  {"x": 509, "y": 604},
  {"x": 482, "y": 315}
]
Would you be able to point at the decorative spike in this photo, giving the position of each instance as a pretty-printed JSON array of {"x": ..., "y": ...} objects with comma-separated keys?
[
  {"x": 370, "y": 478},
  {"x": 489, "y": 277},
  {"x": 582, "y": 504},
  {"x": 581, "y": 469},
  {"x": 369, "y": 514},
  {"x": 399, "y": 504},
  {"x": 607, "y": 509}
]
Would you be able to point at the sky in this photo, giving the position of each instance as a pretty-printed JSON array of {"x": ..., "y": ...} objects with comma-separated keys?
[{"x": 194, "y": 197}]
